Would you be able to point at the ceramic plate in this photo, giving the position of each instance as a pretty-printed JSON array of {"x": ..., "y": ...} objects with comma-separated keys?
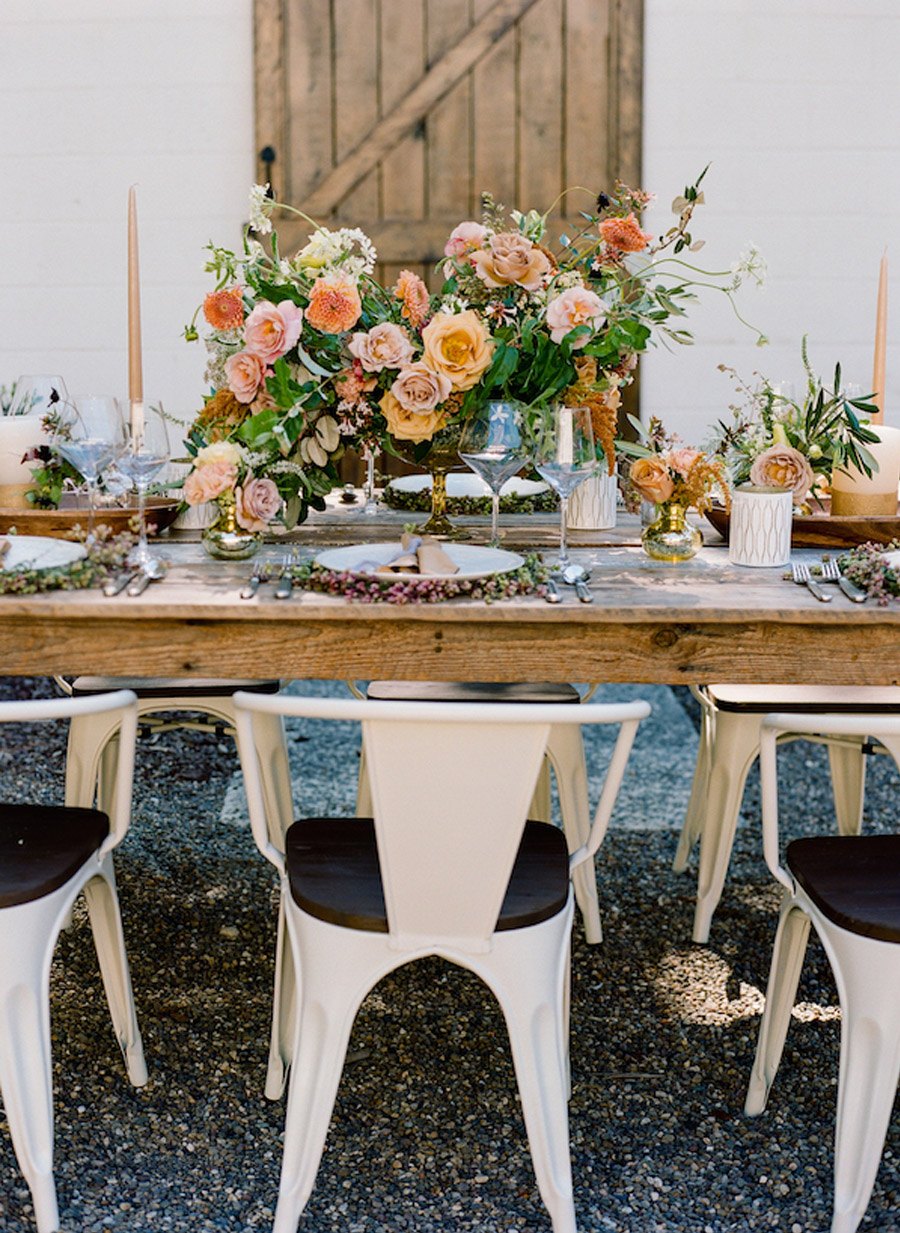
[
  {"x": 38, "y": 552},
  {"x": 467, "y": 484},
  {"x": 473, "y": 560}
]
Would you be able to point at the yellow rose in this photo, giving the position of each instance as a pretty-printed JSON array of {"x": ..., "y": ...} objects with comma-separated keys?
[
  {"x": 458, "y": 346},
  {"x": 408, "y": 425}
]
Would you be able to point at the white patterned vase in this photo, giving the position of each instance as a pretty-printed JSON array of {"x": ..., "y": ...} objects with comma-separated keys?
[
  {"x": 759, "y": 530},
  {"x": 592, "y": 506}
]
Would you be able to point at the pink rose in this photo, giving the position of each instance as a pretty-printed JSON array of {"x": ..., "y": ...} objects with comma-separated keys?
[
  {"x": 682, "y": 460},
  {"x": 245, "y": 373},
  {"x": 573, "y": 307},
  {"x": 781, "y": 466},
  {"x": 511, "y": 259},
  {"x": 208, "y": 482},
  {"x": 464, "y": 238},
  {"x": 272, "y": 329},
  {"x": 418, "y": 389},
  {"x": 384, "y": 346},
  {"x": 256, "y": 504}
]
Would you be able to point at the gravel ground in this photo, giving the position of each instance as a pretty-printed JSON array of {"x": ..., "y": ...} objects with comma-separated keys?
[{"x": 427, "y": 1134}]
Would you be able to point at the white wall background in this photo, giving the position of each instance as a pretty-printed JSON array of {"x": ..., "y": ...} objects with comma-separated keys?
[{"x": 795, "y": 102}]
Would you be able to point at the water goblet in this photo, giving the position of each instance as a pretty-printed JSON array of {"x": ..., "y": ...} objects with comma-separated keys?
[
  {"x": 491, "y": 444},
  {"x": 564, "y": 455},
  {"x": 371, "y": 506},
  {"x": 145, "y": 454},
  {"x": 38, "y": 395},
  {"x": 90, "y": 436}
]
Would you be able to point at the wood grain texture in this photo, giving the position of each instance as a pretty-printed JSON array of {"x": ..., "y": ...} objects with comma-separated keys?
[
  {"x": 270, "y": 88},
  {"x": 309, "y": 147},
  {"x": 541, "y": 102},
  {"x": 356, "y": 84}
]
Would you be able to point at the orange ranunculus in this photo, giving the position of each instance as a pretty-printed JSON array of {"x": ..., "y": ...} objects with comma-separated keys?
[
  {"x": 459, "y": 346},
  {"x": 651, "y": 478},
  {"x": 407, "y": 425},
  {"x": 334, "y": 304},
  {"x": 224, "y": 309},
  {"x": 624, "y": 234},
  {"x": 412, "y": 293}
]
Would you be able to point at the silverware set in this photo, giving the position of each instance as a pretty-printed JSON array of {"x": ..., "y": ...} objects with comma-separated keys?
[
  {"x": 800, "y": 574},
  {"x": 574, "y": 576},
  {"x": 134, "y": 580},
  {"x": 281, "y": 575}
]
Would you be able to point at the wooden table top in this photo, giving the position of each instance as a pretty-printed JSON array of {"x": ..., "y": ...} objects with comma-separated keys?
[{"x": 698, "y": 621}]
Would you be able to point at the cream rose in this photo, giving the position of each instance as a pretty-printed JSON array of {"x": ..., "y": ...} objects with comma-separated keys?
[
  {"x": 419, "y": 389},
  {"x": 410, "y": 425},
  {"x": 384, "y": 346},
  {"x": 272, "y": 329},
  {"x": 218, "y": 451},
  {"x": 245, "y": 373},
  {"x": 573, "y": 307},
  {"x": 651, "y": 478},
  {"x": 458, "y": 346},
  {"x": 256, "y": 504},
  {"x": 209, "y": 482},
  {"x": 509, "y": 259},
  {"x": 781, "y": 466}
]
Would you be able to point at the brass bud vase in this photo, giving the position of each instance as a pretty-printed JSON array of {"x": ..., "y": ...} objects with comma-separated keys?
[
  {"x": 226, "y": 540},
  {"x": 671, "y": 537}
]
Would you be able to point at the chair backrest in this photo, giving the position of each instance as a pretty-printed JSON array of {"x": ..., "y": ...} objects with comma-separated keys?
[
  {"x": 451, "y": 784},
  {"x": 121, "y": 700},
  {"x": 885, "y": 729}
]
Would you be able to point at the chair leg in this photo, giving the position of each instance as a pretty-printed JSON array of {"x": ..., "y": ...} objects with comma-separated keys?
[
  {"x": 284, "y": 1010},
  {"x": 848, "y": 783},
  {"x": 866, "y": 974},
  {"x": 736, "y": 745},
  {"x": 692, "y": 827},
  {"x": 271, "y": 749},
  {"x": 363, "y": 790},
  {"x": 787, "y": 961},
  {"x": 565, "y": 750},
  {"x": 106, "y": 924},
  {"x": 89, "y": 736}
]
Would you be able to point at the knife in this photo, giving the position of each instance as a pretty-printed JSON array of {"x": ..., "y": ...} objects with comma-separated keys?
[
  {"x": 253, "y": 584},
  {"x": 139, "y": 584}
]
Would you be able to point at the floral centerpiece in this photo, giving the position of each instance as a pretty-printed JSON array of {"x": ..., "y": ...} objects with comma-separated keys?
[
  {"x": 308, "y": 351},
  {"x": 774, "y": 441}
]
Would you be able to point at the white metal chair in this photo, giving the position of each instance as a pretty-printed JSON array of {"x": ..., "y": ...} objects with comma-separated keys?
[
  {"x": 848, "y": 887},
  {"x": 448, "y": 866},
  {"x": 47, "y": 855},
  {"x": 731, "y": 717},
  {"x": 565, "y": 754}
]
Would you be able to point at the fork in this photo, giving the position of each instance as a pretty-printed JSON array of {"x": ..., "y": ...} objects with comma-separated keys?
[
  {"x": 831, "y": 573},
  {"x": 254, "y": 582},
  {"x": 800, "y": 572},
  {"x": 285, "y": 583}
]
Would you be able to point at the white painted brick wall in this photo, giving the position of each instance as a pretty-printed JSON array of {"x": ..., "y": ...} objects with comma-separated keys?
[{"x": 795, "y": 102}]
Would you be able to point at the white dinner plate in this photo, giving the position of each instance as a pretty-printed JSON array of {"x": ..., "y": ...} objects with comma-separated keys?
[
  {"x": 40, "y": 552},
  {"x": 474, "y": 561},
  {"x": 467, "y": 484}
]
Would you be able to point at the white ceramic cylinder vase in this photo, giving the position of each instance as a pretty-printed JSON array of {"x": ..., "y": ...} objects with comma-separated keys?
[
  {"x": 759, "y": 530},
  {"x": 592, "y": 506}
]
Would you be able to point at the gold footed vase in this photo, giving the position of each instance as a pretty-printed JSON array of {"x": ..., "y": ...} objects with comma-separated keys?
[
  {"x": 441, "y": 459},
  {"x": 671, "y": 537}
]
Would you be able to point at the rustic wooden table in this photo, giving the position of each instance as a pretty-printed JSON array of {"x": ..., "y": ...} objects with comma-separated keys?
[{"x": 700, "y": 621}]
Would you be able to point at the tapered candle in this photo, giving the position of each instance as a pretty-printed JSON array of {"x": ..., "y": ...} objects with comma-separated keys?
[
  {"x": 880, "y": 342},
  {"x": 135, "y": 368}
]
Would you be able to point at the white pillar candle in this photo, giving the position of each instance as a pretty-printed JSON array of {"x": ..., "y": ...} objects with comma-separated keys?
[
  {"x": 18, "y": 434},
  {"x": 565, "y": 441},
  {"x": 854, "y": 492}
]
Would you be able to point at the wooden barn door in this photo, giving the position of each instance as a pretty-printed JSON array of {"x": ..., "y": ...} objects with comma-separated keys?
[{"x": 395, "y": 115}]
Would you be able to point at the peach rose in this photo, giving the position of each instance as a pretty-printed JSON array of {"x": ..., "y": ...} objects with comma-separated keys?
[
  {"x": 682, "y": 460},
  {"x": 511, "y": 259},
  {"x": 272, "y": 329},
  {"x": 781, "y": 466},
  {"x": 256, "y": 504},
  {"x": 419, "y": 389},
  {"x": 410, "y": 425},
  {"x": 458, "y": 346},
  {"x": 573, "y": 307},
  {"x": 464, "y": 238},
  {"x": 208, "y": 482},
  {"x": 384, "y": 346},
  {"x": 624, "y": 234},
  {"x": 651, "y": 478},
  {"x": 245, "y": 373},
  {"x": 334, "y": 304}
]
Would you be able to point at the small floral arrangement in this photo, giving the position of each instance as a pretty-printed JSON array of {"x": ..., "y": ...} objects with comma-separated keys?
[
  {"x": 308, "y": 351},
  {"x": 529, "y": 579},
  {"x": 663, "y": 470},
  {"x": 776, "y": 442}
]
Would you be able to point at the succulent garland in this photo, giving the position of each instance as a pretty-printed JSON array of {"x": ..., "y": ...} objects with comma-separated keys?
[
  {"x": 529, "y": 579},
  {"x": 868, "y": 568},
  {"x": 420, "y": 502}
]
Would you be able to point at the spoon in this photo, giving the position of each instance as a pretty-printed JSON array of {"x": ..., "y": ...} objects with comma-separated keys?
[
  {"x": 152, "y": 571},
  {"x": 577, "y": 576}
]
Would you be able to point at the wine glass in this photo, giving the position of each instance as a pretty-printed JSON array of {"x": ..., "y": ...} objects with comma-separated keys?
[
  {"x": 145, "y": 454},
  {"x": 89, "y": 435},
  {"x": 564, "y": 455},
  {"x": 491, "y": 445},
  {"x": 371, "y": 502},
  {"x": 38, "y": 395}
]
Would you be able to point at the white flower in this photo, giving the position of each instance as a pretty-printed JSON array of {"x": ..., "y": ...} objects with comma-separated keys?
[
  {"x": 750, "y": 264},
  {"x": 261, "y": 206},
  {"x": 321, "y": 251},
  {"x": 453, "y": 304},
  {"x": 219, "y": 451}
]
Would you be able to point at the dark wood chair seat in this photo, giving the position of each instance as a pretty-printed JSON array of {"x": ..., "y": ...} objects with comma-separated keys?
[
  {"x": 334, "y": 874},
  {"x": 168, "y": 687},
  {"x": 854, "y": 880},
  {"x": 470, "y": 691},
  {"x": 813, "y": 699},
  {"x": 42, "y": 846}
]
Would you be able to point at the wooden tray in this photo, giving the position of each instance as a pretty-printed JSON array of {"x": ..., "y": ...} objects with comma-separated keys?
[
  {"x": 61, "y": 523},
  {"x": 824, "y": 530}
]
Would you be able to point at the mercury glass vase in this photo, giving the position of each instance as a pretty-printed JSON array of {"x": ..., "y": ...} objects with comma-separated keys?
[
  {"x": 671, "y": 537},
  {"x": 226, "y": 540}
]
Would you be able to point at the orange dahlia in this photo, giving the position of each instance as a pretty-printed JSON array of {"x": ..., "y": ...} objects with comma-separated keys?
[
  {"x": 413, "y": 294},
  {"x": 334, "y": 304},
  {"x": 624, "y": 234},
  {"x": 224, "y": 309}
]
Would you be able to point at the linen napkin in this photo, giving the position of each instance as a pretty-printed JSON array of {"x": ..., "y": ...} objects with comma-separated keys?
[{"x": 419, "y": 554}]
